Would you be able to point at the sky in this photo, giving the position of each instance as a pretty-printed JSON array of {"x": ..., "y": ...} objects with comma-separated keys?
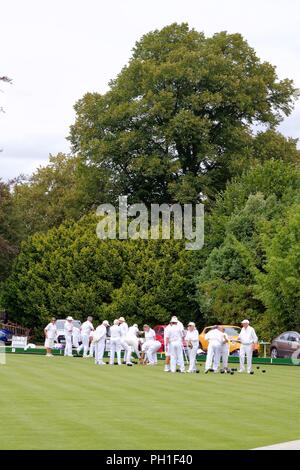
[{"x": 57, "y": 50}]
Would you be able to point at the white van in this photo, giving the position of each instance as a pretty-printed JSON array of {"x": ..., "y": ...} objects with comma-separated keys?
[{"x": 61, "y": 331}]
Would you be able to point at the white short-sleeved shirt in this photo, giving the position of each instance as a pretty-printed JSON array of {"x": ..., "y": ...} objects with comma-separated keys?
[
  {"x": 68, "y": 327},
  {"x": 215, "y": 337},
  {"x": 86, "y": 328},
  {"x": 100, "y": 333},
  {"x": 174, "y": 333},
  {"x": 248, "y": 335},
  {"x": 192, "y": 336},
  {"x": 115, "y": 332},
  {"x": 123, "y": 328},
  {"x": 165, "y": 333},
  {"x": 51, "y": 330},
  {"x": 150, "y": 335},
  {"x": 133, "y": 331}
]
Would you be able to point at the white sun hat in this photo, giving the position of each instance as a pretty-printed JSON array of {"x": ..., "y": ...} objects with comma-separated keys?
[
  {"x": 245, "y": 322},
  {"x": 174, "y": 320},
  {"x": 121, "y": 319},
  {"x": 70, "y": 318},
  {"x": 191, "y": 323},
  {"x": 105, "y": 323}
]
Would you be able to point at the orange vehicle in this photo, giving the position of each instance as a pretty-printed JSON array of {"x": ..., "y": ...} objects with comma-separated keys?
[{"x": 232, "y": 332}]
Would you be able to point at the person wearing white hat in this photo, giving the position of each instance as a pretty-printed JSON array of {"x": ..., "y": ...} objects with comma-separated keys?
[
  {"x": 167, "y": 347},
  {"x": 115, "y": 343},
  {"x": 68, "y": 327},
  {"x": 124, "y": 330},
  {"x": 150, "y": 345},
  {"x": 174, "y": 338},
  {"x": 215, "y": 340},
  {"x": 50, "y": 335},
  {"x": 132, "y": 342},
  {"x": 224, "y": 349},
  {"x": 85, "y": 331},
  {"x": 247, "y": 338},
  {"x": 192, "y": 339},
  {"x": 99, "y": 338}
]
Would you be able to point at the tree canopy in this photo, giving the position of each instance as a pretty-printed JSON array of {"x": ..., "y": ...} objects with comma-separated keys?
[{"x": 177, "y": 122}]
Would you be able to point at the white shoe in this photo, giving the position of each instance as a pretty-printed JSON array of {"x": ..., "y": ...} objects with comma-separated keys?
[
  {"x": 49, "y": 355},
  {"x": 167, "y": 369},
  {"x": 240, "y": 371}
]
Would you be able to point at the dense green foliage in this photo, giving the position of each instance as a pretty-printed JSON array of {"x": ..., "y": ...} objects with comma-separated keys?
[
  {"x": 69, "y": 271},
  {"x": 10, "y": 230},
  {"x": 242, "y": 231}
]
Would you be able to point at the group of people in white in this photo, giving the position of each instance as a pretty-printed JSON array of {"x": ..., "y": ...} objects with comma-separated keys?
[
  {"x": 180, "y": 345},
  {"x": 219, "y": 347}
]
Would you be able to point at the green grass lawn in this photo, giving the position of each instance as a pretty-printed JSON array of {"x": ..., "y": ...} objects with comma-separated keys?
[{"x": 69, "y": 403}]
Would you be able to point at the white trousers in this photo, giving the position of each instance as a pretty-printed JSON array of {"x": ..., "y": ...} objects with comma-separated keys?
[
  {"x": 192, "y": 353},
  {"x": 224, "y": 355},
  {"x": 133, "y": 346},
  {"x": 85, "y": 345},
  {"x": 176, "y": 356},
  {"x": 213, "y": 356},
  {"x": 125, "y": 346},
  {"x": 151, "y": 352},
  {"x": 92, "y": 349},
  {"x": 99, "y": 347},
  {"x": 68, "y": 346},
  {"x": 115, "y": 348},
  {"x": 246, "y": 350}
]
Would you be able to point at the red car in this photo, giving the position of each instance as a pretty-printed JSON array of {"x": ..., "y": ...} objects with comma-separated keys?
[{"x": 160, "y": 332}]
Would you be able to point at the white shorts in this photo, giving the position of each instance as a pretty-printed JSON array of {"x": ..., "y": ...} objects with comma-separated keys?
[{"x": 49, "y": 343}]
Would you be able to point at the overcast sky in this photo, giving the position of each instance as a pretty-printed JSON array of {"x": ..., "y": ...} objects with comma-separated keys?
[{"x": 57, "y": 50}]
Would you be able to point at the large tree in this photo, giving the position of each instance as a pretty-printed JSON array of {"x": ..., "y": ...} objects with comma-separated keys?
[
  {"x": 178, "y": 121},
  {"x": 244, "y": 272},
  {"x": 59, "y": 191},
  {"x": 278, "y": 286}
]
